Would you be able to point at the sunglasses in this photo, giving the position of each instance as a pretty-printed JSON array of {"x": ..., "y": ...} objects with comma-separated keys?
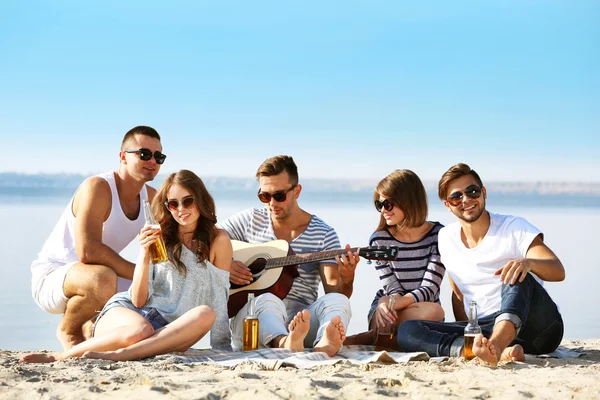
[
  {"x": 379, "y": 205},
  {"x": 472, "y": 192},
  {"x": 146, "y": 154},
  {"x": 173, "y": 205},
  {"x": 278, "y": 196}
]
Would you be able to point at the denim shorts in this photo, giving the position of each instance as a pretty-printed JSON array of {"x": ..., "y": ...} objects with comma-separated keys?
[{"x": 151, "y": 314}]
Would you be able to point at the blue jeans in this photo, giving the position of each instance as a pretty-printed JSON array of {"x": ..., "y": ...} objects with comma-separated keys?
[{"x": 541, "y": 328}]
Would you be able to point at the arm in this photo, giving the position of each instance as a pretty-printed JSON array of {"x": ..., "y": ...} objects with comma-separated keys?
[
  {"x": 91, "y": 207},
  {"x": 539, "y": 259},
  {"x": 339, "y": 278},
  {"x": 430, "y": 285},
  {"x": 220, "y": 257},
  {"x": 235, "y": 228},
  {"x": 457, "y": 302},
  {"x": 139, "y": 284}
]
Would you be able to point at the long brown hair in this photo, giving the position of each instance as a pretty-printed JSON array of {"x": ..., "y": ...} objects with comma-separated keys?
[
  {"x": 406, "y": 191},
  {"x": 206, "y": 229}
]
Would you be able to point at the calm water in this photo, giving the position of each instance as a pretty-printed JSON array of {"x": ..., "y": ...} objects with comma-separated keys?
[{"x": 568, "y": 231}]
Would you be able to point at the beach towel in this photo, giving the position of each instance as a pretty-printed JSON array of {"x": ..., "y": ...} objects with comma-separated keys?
[{"x": 273, "y": 359}]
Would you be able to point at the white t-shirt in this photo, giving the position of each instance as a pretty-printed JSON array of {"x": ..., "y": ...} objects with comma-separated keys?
[{"x": 508, "y": 238}]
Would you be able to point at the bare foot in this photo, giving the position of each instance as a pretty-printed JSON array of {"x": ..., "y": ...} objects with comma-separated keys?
[
  {"x": 40, "y": 358},
  {"x": 68, "y": 340},
  {"x": 513, "y": 353},
  {"x": 367, "y": 338},
  {"x": 484, "y": 349},
  {"x": 298, "y": 330},
  {"x": 105, "y": 355},
  {"x": 333, "y": 338}
]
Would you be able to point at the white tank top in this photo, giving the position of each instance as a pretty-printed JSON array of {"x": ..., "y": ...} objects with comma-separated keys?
[{"x": 117, "y": 231}]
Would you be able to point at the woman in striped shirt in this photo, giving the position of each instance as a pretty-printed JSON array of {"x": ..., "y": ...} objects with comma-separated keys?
[{"x": 414, "y": 278}]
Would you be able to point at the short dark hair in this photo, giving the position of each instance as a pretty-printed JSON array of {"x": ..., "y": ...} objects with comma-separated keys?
[
  {"x": 454, "y": 172},
  {"x": 139, "y": 130},
  {"x": 276, "y": 165},
  {"x": 406, "y": 191}
]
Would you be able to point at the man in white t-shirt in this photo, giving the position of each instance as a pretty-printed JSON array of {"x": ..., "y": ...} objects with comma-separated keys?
[
  {"x": 298, "y": 320},
  {"x": 498, "y": 261},
  {"x": 79, "y": 266}
]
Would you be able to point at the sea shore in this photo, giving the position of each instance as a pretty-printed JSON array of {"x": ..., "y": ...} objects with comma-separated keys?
[{"x": 537, "y": 378}]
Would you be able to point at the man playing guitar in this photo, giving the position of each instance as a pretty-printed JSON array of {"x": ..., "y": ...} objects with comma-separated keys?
[{"x": 299, "y": 320}]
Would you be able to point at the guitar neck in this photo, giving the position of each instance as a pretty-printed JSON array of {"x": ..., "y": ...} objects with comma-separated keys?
[{"x": 279, "y": 262}]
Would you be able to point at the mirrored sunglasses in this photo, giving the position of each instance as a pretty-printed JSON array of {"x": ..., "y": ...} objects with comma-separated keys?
[{"x": 472, "y": 192}]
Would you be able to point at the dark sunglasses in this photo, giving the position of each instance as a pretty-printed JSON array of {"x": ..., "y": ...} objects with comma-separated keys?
[
  {"x": 472, "y": 192},
  {"x": 146, "y": 154},
  {"x": 388, "y": 205},
  {"x": 278, "y": 196},
  {"x": 186, "y": 202}
]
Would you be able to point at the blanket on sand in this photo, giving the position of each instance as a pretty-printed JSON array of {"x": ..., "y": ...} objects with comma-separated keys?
[{"x": 273, "y": 359}]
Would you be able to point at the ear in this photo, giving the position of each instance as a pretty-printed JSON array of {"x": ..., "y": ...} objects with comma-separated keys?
[
  {"x": 122, "y": 158},
  {"x": 484, "y": 191},
  {"x": 297, "y": 191},
  {"x": 446, "y": 204}
]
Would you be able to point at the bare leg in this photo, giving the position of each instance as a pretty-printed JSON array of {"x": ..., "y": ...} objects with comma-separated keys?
[
  {"x": 179, "y": 335},
  {"x": 298, "y": 329},
  {"x": 118, "y": 328},
  {"x": 88, "y": 288},
  {"x": 333, "y": 338}
]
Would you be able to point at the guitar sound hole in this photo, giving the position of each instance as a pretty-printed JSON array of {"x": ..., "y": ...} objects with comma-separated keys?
[{"x": 257, "y": 267}]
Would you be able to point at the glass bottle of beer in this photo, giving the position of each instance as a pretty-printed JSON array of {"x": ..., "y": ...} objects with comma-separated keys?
[
  {"x": 250, "y": 331},
  {"x": 158, "y": 248},
  {"x": 386, "y": 335},
  {"x": 471, "y": 330}
]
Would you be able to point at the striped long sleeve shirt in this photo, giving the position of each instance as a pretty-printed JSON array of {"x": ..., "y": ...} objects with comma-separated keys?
[{"x": 417, "y": 269}]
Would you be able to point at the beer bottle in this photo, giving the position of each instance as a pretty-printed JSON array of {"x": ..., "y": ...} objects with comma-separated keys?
[
  {"x": 250, "y": 330},
  {"x": 471, "y": 330},
  {"x": 158, "y": 248}
]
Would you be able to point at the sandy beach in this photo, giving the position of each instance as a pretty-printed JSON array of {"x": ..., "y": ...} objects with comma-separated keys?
[{"x": 541, "y": 378}]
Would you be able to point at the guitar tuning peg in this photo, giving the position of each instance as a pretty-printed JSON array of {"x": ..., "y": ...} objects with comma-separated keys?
[{"x": 369, "y": 262}]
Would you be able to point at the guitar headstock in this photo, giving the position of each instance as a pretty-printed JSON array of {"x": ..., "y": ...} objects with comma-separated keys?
[{"x": 388, "y": 253}]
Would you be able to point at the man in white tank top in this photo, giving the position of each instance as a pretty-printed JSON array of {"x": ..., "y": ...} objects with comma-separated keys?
[{"x": 78, "y": 268}]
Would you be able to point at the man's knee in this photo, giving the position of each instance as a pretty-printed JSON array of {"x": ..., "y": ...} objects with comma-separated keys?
[
  {"x": 336, "y": 299},
  {"x": 98, "y": 283},
  {"x": 269, "y": 301}
]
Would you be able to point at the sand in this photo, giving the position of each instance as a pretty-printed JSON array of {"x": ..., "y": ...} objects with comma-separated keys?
[{"x": 537, "y": 378}]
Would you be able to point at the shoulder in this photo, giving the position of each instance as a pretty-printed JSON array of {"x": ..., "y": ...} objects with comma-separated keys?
[
  {"x": 511, "y": 223},
  {"x": 437, "y": 227},
  {"x": 379, "y": 235},
  {"x": 221, "y": 250},
  {"x": 94, "y": 188},
  {"x": 317, "y": 223},
  {"x": 151, "y": 192},
  {"x": 449, "y": 232}
]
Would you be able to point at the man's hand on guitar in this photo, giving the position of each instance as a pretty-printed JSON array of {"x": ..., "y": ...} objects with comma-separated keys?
[
  {"x": 240, "y": 274},
  {"x": 347, "y": 265}
]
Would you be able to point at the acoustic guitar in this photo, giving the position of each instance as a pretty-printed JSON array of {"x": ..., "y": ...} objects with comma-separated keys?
[{"x": 274, "y": 267}]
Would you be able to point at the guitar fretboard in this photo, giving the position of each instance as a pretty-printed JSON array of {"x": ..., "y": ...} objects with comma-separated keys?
[{"x": 279, "y": 262}]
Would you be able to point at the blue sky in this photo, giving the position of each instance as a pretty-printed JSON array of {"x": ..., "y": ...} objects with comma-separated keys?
[{"x": 350, "y": 89}]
